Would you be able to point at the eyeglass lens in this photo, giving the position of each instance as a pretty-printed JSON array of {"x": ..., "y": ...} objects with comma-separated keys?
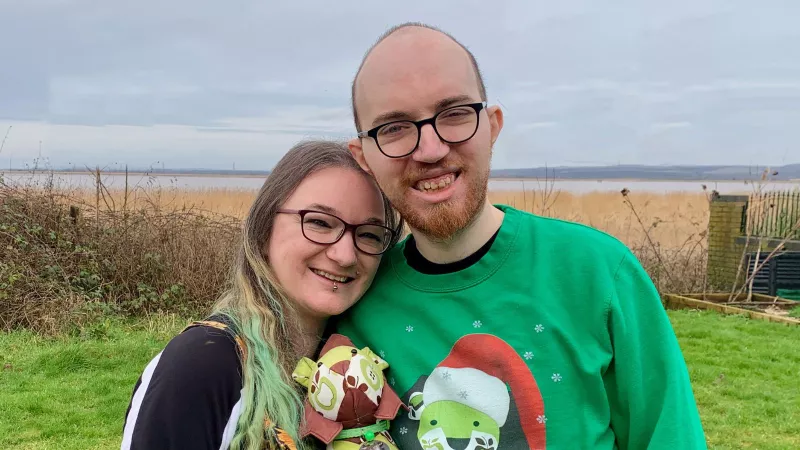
[
  {"x": 326, "y": 229},
  {"x": 453, "y": 125}
]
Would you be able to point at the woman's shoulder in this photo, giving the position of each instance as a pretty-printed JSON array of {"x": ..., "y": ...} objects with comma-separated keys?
[
  {"x": 205, "y": 354},
  {"x": 205, "y": 346},
  {"x": 191, "y": 386}
]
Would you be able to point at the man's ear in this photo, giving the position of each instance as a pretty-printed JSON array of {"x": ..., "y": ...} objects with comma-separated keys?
[
  {"x": 495, "y": 121},
  {"x": 357, "y": 150}
]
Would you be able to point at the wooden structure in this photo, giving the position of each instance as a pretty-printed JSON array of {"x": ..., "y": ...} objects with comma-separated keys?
[
  {"x": 742, "y": 226},
  {"x": 717, "y": 302}
]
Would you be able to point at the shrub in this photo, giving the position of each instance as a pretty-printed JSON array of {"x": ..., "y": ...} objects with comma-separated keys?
[{"x": 65, "y": 261}]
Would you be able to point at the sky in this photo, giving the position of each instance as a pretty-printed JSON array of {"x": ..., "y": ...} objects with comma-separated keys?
[{"x": 211, "y": 84}]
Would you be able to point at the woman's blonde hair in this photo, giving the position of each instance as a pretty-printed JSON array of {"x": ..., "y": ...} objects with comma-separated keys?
[{"x": 258, "y": 309}]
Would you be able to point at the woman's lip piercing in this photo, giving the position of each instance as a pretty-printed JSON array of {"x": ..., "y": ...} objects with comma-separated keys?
[{"x": 335, "y": 287}]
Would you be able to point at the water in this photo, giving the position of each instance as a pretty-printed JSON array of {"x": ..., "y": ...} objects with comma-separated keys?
[{"x": 192, "y": 182}]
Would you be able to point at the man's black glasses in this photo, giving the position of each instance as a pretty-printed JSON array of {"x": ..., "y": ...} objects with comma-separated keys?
[{"x": 401, "y": 138}]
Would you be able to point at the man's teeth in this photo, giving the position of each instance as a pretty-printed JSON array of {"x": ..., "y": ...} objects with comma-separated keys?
[
  {"x": 435, "y": 185},
  {"x": 329, "y": 276}
]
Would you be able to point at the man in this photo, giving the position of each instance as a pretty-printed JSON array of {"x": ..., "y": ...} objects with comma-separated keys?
[{"x": 502, "y": 329}]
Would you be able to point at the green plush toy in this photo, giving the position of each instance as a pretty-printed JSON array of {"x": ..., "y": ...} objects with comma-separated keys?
[{"x": 349, "y": 404}]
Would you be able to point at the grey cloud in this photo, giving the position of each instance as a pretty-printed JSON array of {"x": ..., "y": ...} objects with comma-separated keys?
[{"x": 578, "y": 80}]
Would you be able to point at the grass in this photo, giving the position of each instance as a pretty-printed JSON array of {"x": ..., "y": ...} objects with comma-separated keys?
[
  {"x": 71, "y": 392},
  {"x": 745, "y": 376}
]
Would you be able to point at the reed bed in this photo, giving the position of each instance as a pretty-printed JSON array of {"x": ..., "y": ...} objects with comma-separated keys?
[{"x": 71, "y": 254}]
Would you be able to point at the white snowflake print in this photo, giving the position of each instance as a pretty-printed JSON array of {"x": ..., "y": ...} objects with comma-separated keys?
[
  {"x": 463, "y": 394},
  {"x": 392, "y": 381},
  {"x": 446, "y": 376},
  {"x": 383, "y": 354},
  {"x": 528, "y": 355},
  {"x": 477, "y": 324},
  {"x": 403, "y": 430},
  {"x": 409, "y": 328},
  {"x": 539, "y": 328},
  {"x": 541, "y": 419},
  {"x": 556, "y": 377}
]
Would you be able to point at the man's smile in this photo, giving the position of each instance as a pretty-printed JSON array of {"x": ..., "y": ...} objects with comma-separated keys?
[{"x": 436, "y": 183}]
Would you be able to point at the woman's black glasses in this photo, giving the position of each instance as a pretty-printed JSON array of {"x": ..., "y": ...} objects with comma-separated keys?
[{"x": 324, "y": 228}]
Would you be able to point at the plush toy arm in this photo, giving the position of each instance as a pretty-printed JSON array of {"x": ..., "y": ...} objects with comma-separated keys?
[
  {"x": 390, "y": 404},
  {"x": 303, "y": 371},
  {"x": 372, "y": 356},
  {"x": 321, "y": 428}
]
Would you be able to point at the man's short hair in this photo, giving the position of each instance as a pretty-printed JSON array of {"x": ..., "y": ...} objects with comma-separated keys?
[{"x": 389, "y": 32}]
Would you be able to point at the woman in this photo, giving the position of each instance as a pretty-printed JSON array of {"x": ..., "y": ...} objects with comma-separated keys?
[{"x": 226, "y": 382}]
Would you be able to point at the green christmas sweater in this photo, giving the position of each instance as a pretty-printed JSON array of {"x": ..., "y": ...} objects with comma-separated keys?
[{"x": 556, "y": 338}]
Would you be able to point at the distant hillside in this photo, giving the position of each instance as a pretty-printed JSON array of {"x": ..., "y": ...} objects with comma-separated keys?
[{"x": 639, "y": 172}]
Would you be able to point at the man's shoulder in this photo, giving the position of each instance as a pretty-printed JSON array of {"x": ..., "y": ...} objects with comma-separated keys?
[{"x": 566, "y": 234}]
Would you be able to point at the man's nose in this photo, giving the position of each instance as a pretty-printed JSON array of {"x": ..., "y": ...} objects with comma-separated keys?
[
  {"x": 431, "y": 149},
  {"x": 343, "y": 252}
]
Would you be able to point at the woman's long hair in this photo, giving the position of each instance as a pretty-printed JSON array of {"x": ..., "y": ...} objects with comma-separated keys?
[{"x": 258, "y": 308}]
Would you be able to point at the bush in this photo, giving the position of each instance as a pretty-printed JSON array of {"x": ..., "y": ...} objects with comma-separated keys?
[{"x": 65, "y": 261}]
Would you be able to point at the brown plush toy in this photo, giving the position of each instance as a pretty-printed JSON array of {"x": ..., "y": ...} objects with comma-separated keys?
[{"x": 349, "y": 404}]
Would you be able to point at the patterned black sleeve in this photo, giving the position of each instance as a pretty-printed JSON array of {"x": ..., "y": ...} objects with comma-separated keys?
[{"x": 188, "y": 396}]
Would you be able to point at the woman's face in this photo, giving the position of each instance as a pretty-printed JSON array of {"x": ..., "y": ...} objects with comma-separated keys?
[{"x": 304, "y": 268}]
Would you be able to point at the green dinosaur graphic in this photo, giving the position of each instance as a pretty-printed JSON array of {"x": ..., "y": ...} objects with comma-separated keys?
[{"x": 457, "y": 421}]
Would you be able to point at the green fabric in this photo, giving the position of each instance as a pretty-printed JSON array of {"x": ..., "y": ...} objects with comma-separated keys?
[
  {"x": 368, "y": 432},
  {"x": 561, "y": 315}
]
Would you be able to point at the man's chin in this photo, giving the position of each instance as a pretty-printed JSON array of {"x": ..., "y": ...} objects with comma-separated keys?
[
  {"x": 444, "y": 214},
  {"x": 441, "y": 220}
]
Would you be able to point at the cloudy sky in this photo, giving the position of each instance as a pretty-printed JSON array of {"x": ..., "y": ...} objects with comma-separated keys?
[{"x": 206, "y": 84}]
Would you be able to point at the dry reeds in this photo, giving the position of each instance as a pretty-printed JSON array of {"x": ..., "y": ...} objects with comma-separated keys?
[{"x": 70, "y": 254}]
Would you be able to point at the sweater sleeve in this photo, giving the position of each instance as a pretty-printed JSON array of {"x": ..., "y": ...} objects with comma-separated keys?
[
  {"x": 187, "y": 396},
  {"x": 649, "y": 390}
]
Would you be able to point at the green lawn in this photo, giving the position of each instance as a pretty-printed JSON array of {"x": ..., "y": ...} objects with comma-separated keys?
[{"x": 71, "y": 393}]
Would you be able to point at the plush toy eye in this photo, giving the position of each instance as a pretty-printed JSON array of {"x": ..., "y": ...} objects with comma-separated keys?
[
  {"x": 319, "y": 364},
  {"x": 353, "y": 352}
]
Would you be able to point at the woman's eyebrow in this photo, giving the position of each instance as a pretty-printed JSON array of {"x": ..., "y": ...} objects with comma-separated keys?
[
  {"x": 323, "y": 208},
  {"x": 335, "y": 212}
]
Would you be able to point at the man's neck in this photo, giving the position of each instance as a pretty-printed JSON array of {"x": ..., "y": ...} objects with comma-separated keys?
[{"x": 465, "y": 242}]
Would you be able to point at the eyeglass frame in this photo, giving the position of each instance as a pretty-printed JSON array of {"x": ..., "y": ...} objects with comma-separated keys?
[
  {"x": 373, "y": 132},
  {"x": 347, "y": 227}
]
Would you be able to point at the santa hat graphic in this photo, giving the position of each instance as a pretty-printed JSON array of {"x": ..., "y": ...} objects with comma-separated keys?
[{"x": 478, "y": 373}]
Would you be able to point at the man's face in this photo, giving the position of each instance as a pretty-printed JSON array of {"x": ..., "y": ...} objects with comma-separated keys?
[{"x": 414, "y": 74}]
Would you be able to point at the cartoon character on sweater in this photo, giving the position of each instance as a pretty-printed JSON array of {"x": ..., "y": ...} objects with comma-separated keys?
[
  {"x": 349, "y": 404},
  {"x": 465, "y": 402}
]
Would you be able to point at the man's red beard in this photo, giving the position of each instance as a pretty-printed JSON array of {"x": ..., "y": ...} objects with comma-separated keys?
[{"x": 441, "y": 221}]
